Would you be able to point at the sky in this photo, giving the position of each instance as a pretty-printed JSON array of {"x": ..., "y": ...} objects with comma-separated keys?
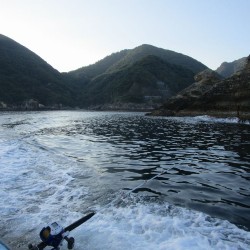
[{"x": 69, "y": 34}]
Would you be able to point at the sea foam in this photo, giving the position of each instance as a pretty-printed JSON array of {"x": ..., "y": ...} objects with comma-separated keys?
[{"x": 138, "y": 225}]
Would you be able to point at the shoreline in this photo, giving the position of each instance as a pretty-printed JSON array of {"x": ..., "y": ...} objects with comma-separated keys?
[{"x": 242, "y": 116}]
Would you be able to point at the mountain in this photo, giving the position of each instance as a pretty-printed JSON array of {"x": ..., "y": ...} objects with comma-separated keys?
[
  {"x": 99, "y": 67},
  {"x": 144, "y": 74},
  {"x": 125, "y": 58},
  {"x": 227, "y": 69},
  {"x": 148, "y": 80},
  {"x": 168, "y": 56},
  {"x": 24, "y": 75},
  {"x": 213, "y": 96},
  {"x": 205, "y": 81}
]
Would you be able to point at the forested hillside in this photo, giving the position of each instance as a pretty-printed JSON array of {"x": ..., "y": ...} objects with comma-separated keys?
[
  {"x": 24, "y": 75},
  {"x": 144, "y": 75}
]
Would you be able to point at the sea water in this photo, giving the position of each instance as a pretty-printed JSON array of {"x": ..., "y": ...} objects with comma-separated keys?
[{"x": 56, "y": 166}]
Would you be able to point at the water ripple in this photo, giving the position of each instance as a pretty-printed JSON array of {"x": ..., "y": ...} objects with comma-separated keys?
[{"x": 206, "y": 162}]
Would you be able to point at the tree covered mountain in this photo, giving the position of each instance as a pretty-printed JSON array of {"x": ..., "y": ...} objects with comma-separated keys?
[
  {"x": 24, "y": 75},
  {"x": 140, "y": 75},
  {"x": 125, "y": 58},
  {"x": 168, "y": 56},
  {"x": 145, "y": 74},
  {"x": 99, "y": 67},
  {"x": 149, "y": 80}
]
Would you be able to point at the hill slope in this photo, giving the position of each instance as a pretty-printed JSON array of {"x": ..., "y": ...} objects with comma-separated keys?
[
  {"x": 150, "y": 80},
  {"x": 211, "y": 95},
  {"x": 145, "y": 75},
  {"x": 24, "y": 75},
  {"x": 99, "y": 67},
  {"x": 125, "y": 58},
  {"x": 133, "y": 75},
  {"x": 168, "y": 56},
  {"x": 227, "y": 69}
]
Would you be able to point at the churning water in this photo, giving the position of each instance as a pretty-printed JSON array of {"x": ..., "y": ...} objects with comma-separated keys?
[{"x": 57, "y": 165}]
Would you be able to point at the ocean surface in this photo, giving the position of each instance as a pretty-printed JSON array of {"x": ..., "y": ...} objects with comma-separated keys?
[{"x": 154, "y": 182}]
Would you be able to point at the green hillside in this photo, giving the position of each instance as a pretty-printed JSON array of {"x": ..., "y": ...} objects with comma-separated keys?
[
  {"x": 150, "y": 79},
  {"x": 99, "y": 67},
  {"x": 24, "y": 75},
  {"x": 125, "y": 58},
  {"x": 143, "y": 75},
  {"x": 167, "y": 55},
  {"x": 134, "y": 75}
]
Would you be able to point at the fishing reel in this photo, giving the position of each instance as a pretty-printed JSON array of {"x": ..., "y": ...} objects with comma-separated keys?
[{"x": 53, "y": 235}]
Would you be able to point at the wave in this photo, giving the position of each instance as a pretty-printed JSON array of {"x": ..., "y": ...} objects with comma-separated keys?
[{"x": 134, "y": 223}]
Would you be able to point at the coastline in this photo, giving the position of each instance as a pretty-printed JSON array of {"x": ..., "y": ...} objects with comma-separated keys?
[{"x": 242, "y": 116}]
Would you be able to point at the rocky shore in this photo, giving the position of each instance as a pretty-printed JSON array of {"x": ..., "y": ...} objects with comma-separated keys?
[{"x": 211, "y": 95}]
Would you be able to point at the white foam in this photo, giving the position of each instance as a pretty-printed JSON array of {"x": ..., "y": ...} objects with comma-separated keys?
[
  {"x": 34, "y": 184},
  {"x": 151, "y": 226},
  {"x": 208, "y": 119}
]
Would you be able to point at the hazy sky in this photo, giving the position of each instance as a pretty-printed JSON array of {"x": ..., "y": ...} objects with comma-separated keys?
[{"x": 69, "y": 34}]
